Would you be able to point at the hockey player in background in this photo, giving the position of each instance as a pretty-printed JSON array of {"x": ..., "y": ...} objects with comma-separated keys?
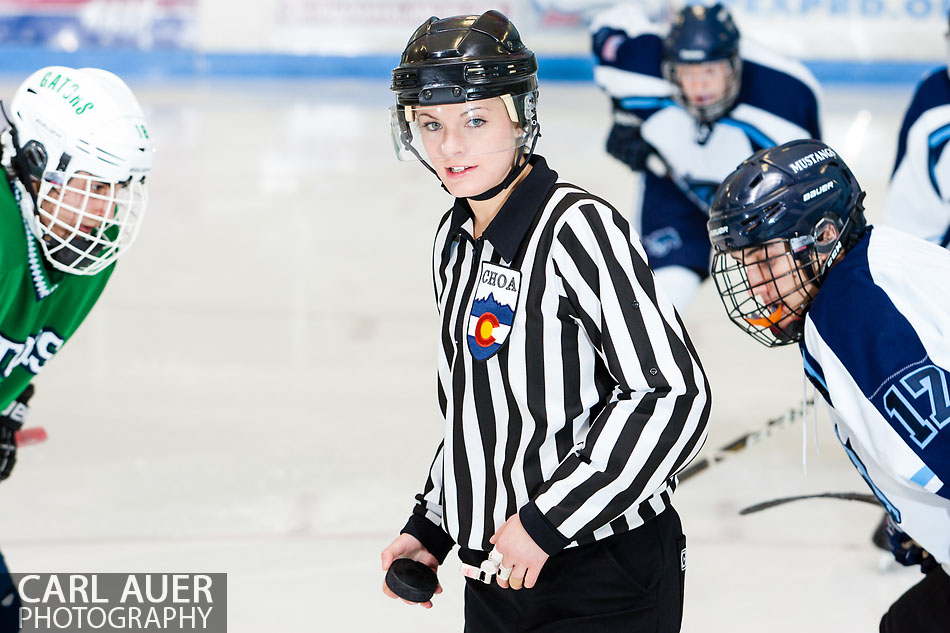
[
  {"x": 795, "y": 262},
  {"x": 918, "y": 200},
  {"x": 75, "y": 153},
  {"x": 689, "y": 104}
]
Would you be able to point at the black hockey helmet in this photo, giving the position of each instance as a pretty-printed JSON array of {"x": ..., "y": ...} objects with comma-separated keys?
[
  {"x": 791, "y": 194},
  {"x": 701, "y": 34},
  {"x": 467, "y": 58},
  {"x": 464, "y": 58}
]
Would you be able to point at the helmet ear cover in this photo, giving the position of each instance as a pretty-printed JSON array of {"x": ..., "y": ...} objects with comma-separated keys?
[
  {"x": 32, "y": 158},
  {"x": 824, "y": 244},
  {"x": 844, "y": 236},
  {"x": 808, "y": 250}
]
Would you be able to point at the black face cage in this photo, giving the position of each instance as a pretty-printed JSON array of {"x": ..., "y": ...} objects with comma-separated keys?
[{"x": 764, "y": 309}]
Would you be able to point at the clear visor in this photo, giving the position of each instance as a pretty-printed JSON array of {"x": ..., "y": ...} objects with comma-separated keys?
[
  {"x": 85, "y": 223},
  {"x": 473, "y": 128}
]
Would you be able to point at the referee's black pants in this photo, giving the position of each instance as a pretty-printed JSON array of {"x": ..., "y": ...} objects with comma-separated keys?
[
  {"x": 629, "y": 583},
  {"x": 924, "y": 608}
]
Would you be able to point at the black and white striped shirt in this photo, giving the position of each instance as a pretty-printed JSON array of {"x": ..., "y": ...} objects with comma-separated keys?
[{"x": 570, "y": 390}]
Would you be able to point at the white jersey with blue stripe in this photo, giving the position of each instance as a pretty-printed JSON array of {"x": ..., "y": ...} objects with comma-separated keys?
[
  {"x": 704, "y": 161},
  {"x": 918, "y": 200},
  {"x": 778, "y": 101},
  {"x": 876, "y": 346}
]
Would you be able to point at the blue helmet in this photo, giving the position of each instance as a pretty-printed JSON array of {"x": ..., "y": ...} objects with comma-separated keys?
[
  {"x": 701, "y": 34},
  {"x": 786, "y": 192},
  {"x": 787, "y": 198}
]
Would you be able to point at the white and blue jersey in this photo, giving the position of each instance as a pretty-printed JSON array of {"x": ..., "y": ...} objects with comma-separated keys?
[
  {"x": 918, "y": 200},
  {"x": 876, "y": 346},
  {"x": 778, "y": 102}
]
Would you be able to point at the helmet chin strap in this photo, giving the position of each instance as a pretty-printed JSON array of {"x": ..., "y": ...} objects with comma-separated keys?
[
  {"x": 790, "y": 332},
  {"x": 78, "y": 249},
  {"x": 513, "y": 173},
  {"x": 406, "y": 139}
]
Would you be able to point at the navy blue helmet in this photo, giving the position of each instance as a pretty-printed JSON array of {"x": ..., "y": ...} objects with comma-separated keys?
[
  {"x": 785, "y": 192},
  {"x": 701, "y": 34},
  {"x": 777, "y": 224}
]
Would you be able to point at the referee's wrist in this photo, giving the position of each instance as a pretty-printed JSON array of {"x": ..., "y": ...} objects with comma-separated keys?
[
  {"x": 432, "y": 537},
  {"x": 540, "y": 529}
]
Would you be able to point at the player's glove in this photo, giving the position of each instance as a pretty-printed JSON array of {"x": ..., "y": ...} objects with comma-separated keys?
[
  {"x": 11, "y": 420},
  {"x": 625, "y": 142},
  {"x": 905, "y": 549}
]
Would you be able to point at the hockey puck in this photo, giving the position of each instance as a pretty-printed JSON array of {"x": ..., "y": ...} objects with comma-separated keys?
[{"x": 411, "y": 580}]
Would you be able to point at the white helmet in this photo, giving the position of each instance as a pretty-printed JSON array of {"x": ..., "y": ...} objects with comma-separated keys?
[{"x": 80, "y": 146}]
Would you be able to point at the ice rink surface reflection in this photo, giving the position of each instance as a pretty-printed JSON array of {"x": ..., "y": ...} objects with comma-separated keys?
[{"x": 255, "y": 392}]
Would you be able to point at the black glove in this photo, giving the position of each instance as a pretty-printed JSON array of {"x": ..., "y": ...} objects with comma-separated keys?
[
  {"x": 905, "y": 549},
  {"x": 11, "y": 421},
  {"x": 625, "y": 143}
]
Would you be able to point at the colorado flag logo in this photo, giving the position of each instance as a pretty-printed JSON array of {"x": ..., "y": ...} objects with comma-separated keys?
[{"x": 493, "y": 309}]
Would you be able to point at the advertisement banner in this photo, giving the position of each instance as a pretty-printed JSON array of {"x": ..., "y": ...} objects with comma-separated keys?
[
  {"x": 70, "y": 25},
  {"x": 364, "y": 37},
  {"x": 858, "y": 30}
]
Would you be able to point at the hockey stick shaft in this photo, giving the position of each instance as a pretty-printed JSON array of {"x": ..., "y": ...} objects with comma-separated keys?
[
  {"x": 847, "y": 496},
  {"x": 742, "y": 442},
  {"x": 660, "y": 168},
  {"x": 30, "y": 436},
  {"x": 656, "y": 163}
]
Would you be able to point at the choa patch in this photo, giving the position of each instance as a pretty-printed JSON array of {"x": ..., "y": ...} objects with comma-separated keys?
[{"x": 493, "y": 309}]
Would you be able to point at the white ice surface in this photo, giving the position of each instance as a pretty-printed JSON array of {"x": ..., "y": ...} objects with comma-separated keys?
[{"x": 255, "y": 392}]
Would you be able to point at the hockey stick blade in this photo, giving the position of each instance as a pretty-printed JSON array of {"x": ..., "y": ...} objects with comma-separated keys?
[
  {"x": 30, "y": 436},
  {"x": 742, "y": 442},
  {"x": 847, "y": 496}
]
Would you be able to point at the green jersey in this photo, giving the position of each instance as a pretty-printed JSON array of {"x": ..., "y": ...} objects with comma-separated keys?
[{"x": 40, "y": 307}]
